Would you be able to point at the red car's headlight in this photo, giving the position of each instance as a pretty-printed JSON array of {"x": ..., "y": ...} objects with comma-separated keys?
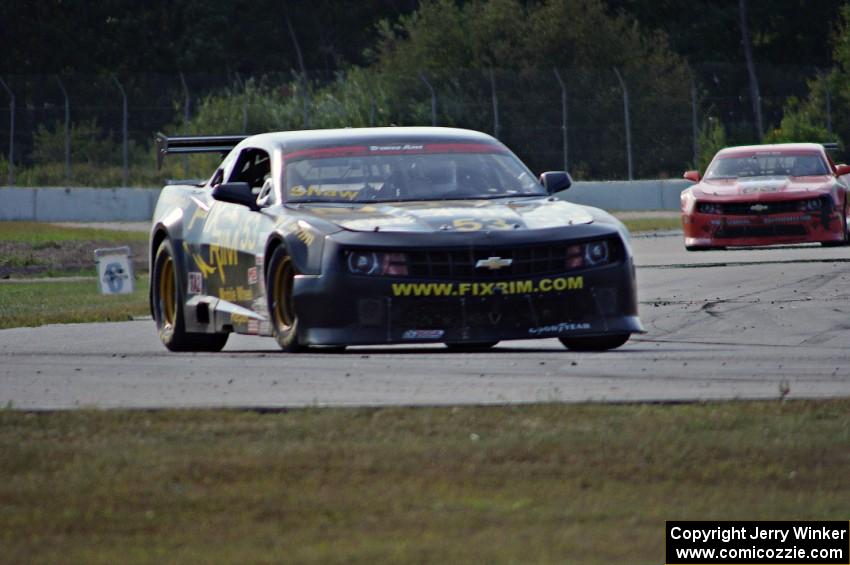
[
  {"x": 812, "y": 205},
  {"x": 709, "y": 208}
]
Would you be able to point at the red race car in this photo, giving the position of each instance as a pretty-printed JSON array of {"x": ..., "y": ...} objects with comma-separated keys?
[{"x": 766, "y": 195}]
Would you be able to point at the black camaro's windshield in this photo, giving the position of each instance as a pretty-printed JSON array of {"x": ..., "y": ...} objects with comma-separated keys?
[
  {"x": 767, "y": 164},
  {"x": 406, "y": 172}
]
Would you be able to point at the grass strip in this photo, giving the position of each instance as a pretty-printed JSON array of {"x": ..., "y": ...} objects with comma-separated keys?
[
  {"x": 637, "y": 225},
  {"x": 530, "y": 484},
  {"x": 46, "y": 235},
  {"x": 43, "y": 235},
  {"x": 65, "y": 302}
]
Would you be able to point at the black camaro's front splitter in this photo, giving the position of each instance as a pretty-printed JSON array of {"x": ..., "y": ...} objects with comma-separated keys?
[{"x": 357, "y": 310}]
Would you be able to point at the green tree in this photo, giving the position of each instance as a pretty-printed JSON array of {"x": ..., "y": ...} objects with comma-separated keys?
[
  {"x": 457, "y": 47},
  {"x": 462, "y": 50},
  {"x": 712, "y": 138},
  {"x": 807, "y": 119}
]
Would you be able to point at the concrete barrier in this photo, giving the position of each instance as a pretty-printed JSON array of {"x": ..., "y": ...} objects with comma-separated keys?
[
  {"x": 627, "y": 195},
  {"x": 77, "y": 204},
  {"x": 137, "y": 204}
]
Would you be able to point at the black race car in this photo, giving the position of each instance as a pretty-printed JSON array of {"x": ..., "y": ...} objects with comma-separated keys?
[{"x": 383, "y": 235}]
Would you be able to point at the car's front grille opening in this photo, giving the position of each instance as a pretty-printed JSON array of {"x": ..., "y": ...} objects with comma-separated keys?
[
  {"x": 502, "y": 262},
  {"x": 772, "y": 230},
  {"x": 778, "y": 207}
]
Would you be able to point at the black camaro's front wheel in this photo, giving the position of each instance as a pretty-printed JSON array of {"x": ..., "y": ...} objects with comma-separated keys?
[
  {"x": 168, "y": 307},
  {"x": 602, "y": 343},
  {"x": 280, "y": 284}
]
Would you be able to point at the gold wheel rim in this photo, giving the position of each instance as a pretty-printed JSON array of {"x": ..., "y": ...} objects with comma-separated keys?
[
  {"x": 168, "y": 292},
  {"x": 282, "y": 281}
]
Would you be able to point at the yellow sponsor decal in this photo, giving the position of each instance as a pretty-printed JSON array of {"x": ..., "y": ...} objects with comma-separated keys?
[
  {"x": 557, "y": 284},
  {"x": 299, "y": 191},
  {"x": 220, "y": 258},
  {"x": 206, "y": 268},
  {"x": 237, "y": 294},
  {"x": 305, "y": 236}
]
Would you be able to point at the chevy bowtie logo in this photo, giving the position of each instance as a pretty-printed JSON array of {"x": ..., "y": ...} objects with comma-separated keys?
[
  {"x": 493, "y": 263},
  {"x": 759, "y": 207}
]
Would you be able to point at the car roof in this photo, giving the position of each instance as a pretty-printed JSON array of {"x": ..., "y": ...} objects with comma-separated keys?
[
  {"x": 772, "y": 148},
  {"x": 288, "y": 141}
]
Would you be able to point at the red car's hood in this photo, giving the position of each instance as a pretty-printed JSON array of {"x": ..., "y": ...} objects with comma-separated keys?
[{"x": 762, "y": 188}]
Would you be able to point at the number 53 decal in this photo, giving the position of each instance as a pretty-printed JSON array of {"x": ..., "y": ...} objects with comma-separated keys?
[{"x": 469, "y": 224}]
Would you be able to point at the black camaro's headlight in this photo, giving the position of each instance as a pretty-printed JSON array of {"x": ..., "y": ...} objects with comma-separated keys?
[
  {"x": 376, "y": 263},
  {"x": 709, "y": 208},
  {"x": 588, "y": 254},
  {"x": 596, "y": 252}
]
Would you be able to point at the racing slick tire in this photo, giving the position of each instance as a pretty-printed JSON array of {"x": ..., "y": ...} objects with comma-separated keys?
[
  {"x": 462, "y": 346},
  {"x": 167, "y": 307},
  {"x": 279, "y": 285},
  {"x": 332, "y": 349},
  {"x": 603, "y": 343}
]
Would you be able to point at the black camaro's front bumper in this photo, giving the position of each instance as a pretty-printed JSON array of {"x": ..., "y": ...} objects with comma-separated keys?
[{"x": 340, "y": 308}]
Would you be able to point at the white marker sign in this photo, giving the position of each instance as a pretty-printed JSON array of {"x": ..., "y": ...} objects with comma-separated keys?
[{"x": 114, "y": 270}]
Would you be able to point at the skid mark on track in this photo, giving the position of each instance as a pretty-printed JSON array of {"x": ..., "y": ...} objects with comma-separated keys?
[
  {"x": 826, "y": 335},
  {"x": 708, "y": 309}
]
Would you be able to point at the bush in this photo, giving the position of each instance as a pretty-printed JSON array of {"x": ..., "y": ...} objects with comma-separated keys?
[
  {"x": 89, "y": 144},
  {"x": 712, "y": 138},
  {"x": 800, "y": 124}
]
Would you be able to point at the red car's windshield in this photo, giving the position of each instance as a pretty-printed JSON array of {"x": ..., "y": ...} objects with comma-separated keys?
[
  {"x": 767, "y": 164},
  {"x": 406, "y": 172}
]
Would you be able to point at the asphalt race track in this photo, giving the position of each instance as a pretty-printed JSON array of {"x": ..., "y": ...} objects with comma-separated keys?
[{"x": 742, "y": 323}]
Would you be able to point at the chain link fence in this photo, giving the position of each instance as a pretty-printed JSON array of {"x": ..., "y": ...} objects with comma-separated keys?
[{"x": 597, "y": 123}]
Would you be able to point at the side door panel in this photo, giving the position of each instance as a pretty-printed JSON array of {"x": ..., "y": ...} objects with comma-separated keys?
[{"x": 230, "y": 248}]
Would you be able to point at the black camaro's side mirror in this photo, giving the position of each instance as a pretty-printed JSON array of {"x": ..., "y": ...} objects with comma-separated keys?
[
  {"x": 236, "y": 193},
  {"x": 556, "y": 181}
]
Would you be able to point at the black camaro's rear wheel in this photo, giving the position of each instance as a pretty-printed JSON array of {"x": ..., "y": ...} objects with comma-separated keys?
[
  {"x": 168, "y": 307},
  {"x": 281, "y": 282},
  {"x": 602, "y": 343}
]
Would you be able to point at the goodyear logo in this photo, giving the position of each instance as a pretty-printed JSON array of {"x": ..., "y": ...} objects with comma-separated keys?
[{"x": 558, "y": 284}]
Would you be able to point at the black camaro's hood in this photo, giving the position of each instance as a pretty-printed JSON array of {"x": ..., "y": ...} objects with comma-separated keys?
[{"x": 452, "y": 215}]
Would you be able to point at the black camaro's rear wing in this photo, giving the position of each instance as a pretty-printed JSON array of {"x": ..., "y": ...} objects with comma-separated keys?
[{"x": 194, "y": 144}]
